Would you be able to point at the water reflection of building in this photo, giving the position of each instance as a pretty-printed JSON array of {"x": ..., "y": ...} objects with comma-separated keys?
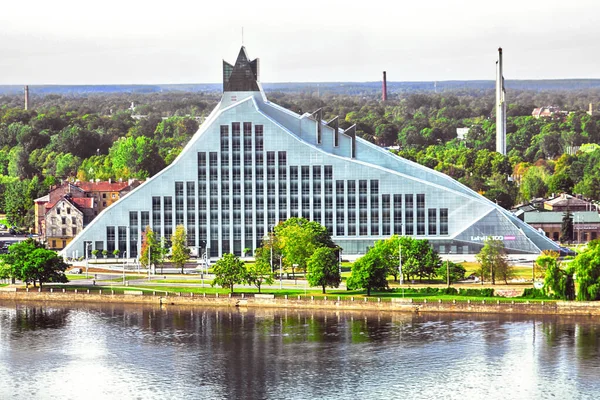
[{"x": 254, "y": 163}]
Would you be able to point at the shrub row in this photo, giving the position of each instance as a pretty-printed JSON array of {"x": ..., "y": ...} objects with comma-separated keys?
[
  {"x": 452, "y": 291},
  {"x": 533, "y": 293}
]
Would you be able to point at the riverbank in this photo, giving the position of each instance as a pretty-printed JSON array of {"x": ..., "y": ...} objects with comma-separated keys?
[{"x": 491, "y": 306}]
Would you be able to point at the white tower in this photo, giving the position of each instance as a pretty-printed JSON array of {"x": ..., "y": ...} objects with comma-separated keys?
[{"x": 500, "y": 107}]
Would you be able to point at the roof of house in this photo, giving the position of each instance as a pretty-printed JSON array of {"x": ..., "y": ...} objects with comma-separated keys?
[
  {"x": 103, "y": 186},
  {"x": 555, "y": 217},
  {"x": 83, "y": 202},
  {"x": 43, "y": 199},
  {"x": 565, "y": 200}
]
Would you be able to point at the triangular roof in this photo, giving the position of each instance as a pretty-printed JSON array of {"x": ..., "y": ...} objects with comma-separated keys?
[{"x": 241, "y": 77}]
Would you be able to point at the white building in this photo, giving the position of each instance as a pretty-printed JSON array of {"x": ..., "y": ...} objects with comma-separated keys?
[{"x": 253, "y": 163}]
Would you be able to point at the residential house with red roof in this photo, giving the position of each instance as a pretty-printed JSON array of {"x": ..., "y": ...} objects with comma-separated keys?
[{"x": 67, "y": 209}]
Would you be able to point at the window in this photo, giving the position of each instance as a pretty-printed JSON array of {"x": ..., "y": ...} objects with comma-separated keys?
[
  {"x": 68, "y": 210},
  {"x": 258, "y": 131},
  {"x": 114, "y": 196},
  {"x": 420, "y": 214},
  {"x": 224, "y": 138},
  {"x": 316, "y": 172},
  {"x": 362, "y": 187},
  {"x": 235, "y": 128},
  {"x": 64, "y": 231},
  {"x": 432, "y": 221},
  {"x": 443, "y": 221},
  {"x": 385, "y": 216},
  {"x": 103, "y": 195},
  {"x": 408, "y": 214},
  {"x": 305, "y": 173},
  {"x": 63, "y": 220},
  {"x": 282, "y": 158},
  {"x": 74, "y": 220}
]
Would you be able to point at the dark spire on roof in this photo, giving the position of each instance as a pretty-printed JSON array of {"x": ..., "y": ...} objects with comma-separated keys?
[{"x": 241, "y": 77}]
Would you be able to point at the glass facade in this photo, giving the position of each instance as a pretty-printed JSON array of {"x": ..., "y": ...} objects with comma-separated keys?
[{"x": 254, "y": 164}]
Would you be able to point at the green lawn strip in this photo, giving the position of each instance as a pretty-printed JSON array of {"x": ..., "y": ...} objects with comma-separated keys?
[
  {"x": 332, "y": 294},
  {"x": 120, "y": 279},
  {"x": 3, "y": 284},
  {"x": 77, "y": 277}
]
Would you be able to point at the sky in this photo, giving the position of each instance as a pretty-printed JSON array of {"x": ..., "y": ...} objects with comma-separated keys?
[{"x": 177, "y": 41}]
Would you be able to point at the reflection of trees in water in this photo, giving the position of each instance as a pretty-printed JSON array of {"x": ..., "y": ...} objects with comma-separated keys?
[
  {"x": 583, "y": 334},
  {"x": 32, "y": 317},
  {"x": 238, "y": 353}
]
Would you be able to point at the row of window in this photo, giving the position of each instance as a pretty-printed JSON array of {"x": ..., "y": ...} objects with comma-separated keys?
[
  {"x": 64, "y": 231},
  {"x": 393, "y": 217}
]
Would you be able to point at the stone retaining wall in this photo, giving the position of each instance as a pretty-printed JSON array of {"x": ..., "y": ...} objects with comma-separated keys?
[{"x": 333, "y": 302}]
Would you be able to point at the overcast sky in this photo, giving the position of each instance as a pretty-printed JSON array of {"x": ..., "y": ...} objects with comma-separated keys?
[{"x": 177, "y": 41}]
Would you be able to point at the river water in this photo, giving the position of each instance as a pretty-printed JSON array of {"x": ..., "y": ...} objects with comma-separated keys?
[{"x": 107, "y": 351}]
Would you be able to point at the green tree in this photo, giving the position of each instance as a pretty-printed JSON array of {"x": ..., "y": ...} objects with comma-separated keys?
[
  {"x": 150, "y": 253},
  {"x": 43, "y": 266},
  {"x": 259, "y": 272},
  {"x": 323, "y": 269},
  {"x": 17, "y": 202},
  {"x": 493, "y": 261},
  {"x": 368, "y": 272},
  {"x": 543, "y": 262},
  {"x": 558, "y": 281},
  {"x": 298, "y": 239},
  {"x": 566, "y": 228},
  {"x": 229, "y": 271},
  {"x": 533, "y": 183},
  {"x": 457, "y": 271},
  {"x": 587, "y": 269},
  {"x": 180, "y": 253},
  {"x": 30, "y": 262}
]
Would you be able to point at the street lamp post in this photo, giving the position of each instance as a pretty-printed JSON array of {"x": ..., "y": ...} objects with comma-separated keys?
[
  {"x": 280, "y": 274},
  {"x": 400, "y": 262},
  {"x": 448, "y": 270},
  {"x": 86, "y": 259},
  {"x": 124, "y": 261}
]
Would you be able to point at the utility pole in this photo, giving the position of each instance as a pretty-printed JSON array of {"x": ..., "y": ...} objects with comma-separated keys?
[{"x": 400, "y": 261}]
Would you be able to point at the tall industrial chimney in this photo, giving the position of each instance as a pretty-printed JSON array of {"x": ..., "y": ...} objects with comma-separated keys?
[
  {"x": 26, "y": 97},
  {"x": 384, "y": 88},
  {"x": 500, "y": 107}
]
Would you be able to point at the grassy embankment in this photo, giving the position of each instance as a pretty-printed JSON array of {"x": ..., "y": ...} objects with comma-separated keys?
[{"x": 293, "y": 293}]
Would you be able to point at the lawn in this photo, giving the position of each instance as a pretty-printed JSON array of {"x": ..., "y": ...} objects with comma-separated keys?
[
  {"x": 331, "y": 293},
  {"x": 520, "y": 272},
  {"x": 77, "y": 277}
]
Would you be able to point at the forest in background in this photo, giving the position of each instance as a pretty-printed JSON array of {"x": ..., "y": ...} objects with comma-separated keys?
[{"x": 93, "y": 136}]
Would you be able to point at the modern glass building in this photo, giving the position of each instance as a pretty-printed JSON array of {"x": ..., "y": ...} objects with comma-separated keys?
[{"x": 253, "y": 164}]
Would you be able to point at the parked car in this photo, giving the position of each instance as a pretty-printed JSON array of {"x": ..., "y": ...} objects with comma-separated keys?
[{"x": 75, "y": 271}]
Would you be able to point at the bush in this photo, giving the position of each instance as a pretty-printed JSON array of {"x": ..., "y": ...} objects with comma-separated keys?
[
  {"x": 477, "y": 292},
  {"x": 449, "y": 290},
  {"x": 533, "y": 293},
  {"x": 428, "y": 290}
]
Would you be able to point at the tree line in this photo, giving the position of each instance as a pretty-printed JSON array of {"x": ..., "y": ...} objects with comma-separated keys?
[{"x": 96, "y": 137}]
